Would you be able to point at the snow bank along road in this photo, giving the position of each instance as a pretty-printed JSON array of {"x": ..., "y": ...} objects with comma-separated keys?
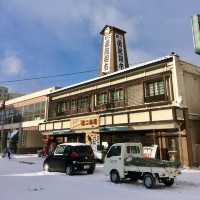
[{"x": 22, "y": 178}]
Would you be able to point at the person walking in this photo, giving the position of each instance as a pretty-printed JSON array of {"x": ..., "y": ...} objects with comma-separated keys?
[{"x": 8, "y": 153}]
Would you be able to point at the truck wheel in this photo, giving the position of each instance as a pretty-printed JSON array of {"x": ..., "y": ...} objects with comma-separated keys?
[
  {"x": 168, "y": 182},
  {"x": 69, "y": 170},
  {"x": 149, "y": 181},
  {"x": 114, "y": 176}
]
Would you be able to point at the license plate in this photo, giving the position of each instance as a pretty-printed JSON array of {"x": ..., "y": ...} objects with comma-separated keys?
[{"x": 86, "y": 166}]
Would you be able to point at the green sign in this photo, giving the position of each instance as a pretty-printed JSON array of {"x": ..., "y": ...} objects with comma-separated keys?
[
  {"x": 60, "y": 132},
  {"x": 196, "y": 33},
  {"x": 114, "y": 128}
]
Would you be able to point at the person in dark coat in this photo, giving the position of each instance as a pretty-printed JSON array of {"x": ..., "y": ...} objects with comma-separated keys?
[{"x": 8, "y": 153}]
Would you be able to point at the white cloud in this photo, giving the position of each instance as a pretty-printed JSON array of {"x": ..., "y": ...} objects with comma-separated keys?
[
  {"x": 11, "y": 65},
  {"x": 61, "y": 16}
]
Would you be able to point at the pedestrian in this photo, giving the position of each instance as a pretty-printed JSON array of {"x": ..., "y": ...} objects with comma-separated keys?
[{"x": 9, "y": 153}]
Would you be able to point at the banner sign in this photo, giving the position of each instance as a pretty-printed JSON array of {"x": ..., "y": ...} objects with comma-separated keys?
[
  {"x": 107, "y": 39},
  {"x": 120, "y": 51}
]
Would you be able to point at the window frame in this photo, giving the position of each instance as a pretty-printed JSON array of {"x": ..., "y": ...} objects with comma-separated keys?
[{"x": 155, "y": 97}]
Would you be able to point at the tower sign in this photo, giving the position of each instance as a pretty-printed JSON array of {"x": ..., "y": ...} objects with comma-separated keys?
[
  {"x": 113, "y": 55},
  {"x": 107, "y": 39},
  {"x": 119, "y": 51}
]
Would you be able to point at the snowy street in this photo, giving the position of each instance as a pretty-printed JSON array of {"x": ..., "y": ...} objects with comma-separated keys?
[{"x": 22, "y": 178}]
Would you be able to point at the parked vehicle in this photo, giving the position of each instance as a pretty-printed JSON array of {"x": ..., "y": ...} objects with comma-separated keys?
[
  {"x": 71, "y": 158},
  {"x": 125, "y": 160}
]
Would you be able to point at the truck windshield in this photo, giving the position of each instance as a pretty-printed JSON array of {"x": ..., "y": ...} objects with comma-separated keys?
[{"x": 114, "y": 151}]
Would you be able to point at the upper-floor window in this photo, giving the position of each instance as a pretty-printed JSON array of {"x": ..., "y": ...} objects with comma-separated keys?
[
  {"x": 83, "y": 104},
  {"x": 73, "y": 105},
  {"x": 117, "y": 95},
  {"x": 155, "y": 91},
  {"x": 102, "y": 98},
  {"x": 61, "y": 107}
]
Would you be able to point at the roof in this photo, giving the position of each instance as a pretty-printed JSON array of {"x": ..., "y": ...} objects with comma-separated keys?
[
  {"x": 112, "y": 27},
  {"x": 131, "y": 68},
  {"x": 31, "y": 96},
  {"x": 74, "y": 144}
]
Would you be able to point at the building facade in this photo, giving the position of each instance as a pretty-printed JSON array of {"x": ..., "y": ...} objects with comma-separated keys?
[
  {"x": 156, "y": 102},
  {"x": 19, "y": 119}
]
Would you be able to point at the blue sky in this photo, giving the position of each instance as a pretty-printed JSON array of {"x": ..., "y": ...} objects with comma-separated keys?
[{"x": 48, "y": 37}]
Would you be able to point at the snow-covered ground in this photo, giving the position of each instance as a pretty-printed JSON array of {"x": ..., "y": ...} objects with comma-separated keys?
[{"x": 22, "y": 178}]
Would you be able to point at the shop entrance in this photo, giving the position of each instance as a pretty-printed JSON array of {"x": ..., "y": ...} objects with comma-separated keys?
[
  {"x": 51, "y": 141},
  {"x": 75, "y": 138},
  {"x": 109, "y": 138}
]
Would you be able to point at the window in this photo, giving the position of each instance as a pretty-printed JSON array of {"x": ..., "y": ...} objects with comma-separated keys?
[
  {"x": 155, "y": 91},
  {"x": 73, "y": 105},
  {"x": 61, "y": 107},
  {"x": 133, "y": 150},
  {"x": 102, "y": 98},
  {"x": 117, "y": 95},
  {"x": 59, "y": 149},
  {"x": 83, "y": 104},
  {"x": 114, "y": 151}
]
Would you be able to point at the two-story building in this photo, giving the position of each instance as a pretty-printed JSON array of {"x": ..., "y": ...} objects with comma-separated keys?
[
  {"x": 19, "y": 119},
  {"x": 155, "y": 102}
]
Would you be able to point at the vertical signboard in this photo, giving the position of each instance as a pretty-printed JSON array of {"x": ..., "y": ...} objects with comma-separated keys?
[
  {"x": 119, "y": 51},
  {"x": 196, "y": 33},
  {"x": 107, "y": 40}
]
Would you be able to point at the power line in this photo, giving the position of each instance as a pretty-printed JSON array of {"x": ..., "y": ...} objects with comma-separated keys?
[{"x": 46, "y": 77}]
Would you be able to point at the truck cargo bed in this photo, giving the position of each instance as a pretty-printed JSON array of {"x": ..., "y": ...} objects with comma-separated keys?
[{"x": 150, "y": 162}]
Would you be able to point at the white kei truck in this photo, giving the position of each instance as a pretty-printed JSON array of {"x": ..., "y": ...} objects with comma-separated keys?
[{"x": 126, "y": 161}]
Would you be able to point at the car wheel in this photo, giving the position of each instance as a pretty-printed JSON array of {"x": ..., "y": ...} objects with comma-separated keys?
[
  {"x": 149, "y": 181},
  {"x": 114, "y": 176},
  {"x": 46, "y": 167},
  {"x": 168, "y": 182},
  {"x": 69, "y": 170}
]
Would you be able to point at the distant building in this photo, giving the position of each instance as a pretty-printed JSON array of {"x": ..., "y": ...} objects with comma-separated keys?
[
  {"x": 14, "y": 95},
  {"x": 4, "y": 93},
  {"x": 19, "y": 119}
]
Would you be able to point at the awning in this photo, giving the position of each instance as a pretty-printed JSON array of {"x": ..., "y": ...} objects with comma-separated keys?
[
  {"x": 113, "y": 129},
  {"x": 59, "y": 132}
]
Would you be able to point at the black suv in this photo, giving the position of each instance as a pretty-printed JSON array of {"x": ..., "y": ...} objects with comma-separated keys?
[{"x": 71, "y": 158}]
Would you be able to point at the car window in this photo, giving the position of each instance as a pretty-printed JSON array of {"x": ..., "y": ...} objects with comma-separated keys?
[
  {"x": 67, "y": 149},
  {"x": 133, "y": 149},
  {"x": 114, "y": 151},
  {"x": 59, "y": 149},
  {"x": 86, "y": 150}
]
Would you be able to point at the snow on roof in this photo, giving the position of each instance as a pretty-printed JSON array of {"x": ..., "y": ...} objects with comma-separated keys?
[
  {"x": 115, "y": 73},
  {"x": 74, "y": 144},
  {"x": 31, "y": 95}
]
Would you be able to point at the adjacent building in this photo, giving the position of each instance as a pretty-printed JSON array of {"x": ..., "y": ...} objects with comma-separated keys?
[{"x": 19, "y": 119}]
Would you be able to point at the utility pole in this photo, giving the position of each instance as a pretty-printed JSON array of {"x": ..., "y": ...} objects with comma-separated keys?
[{"x": 196, "y": 33}]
